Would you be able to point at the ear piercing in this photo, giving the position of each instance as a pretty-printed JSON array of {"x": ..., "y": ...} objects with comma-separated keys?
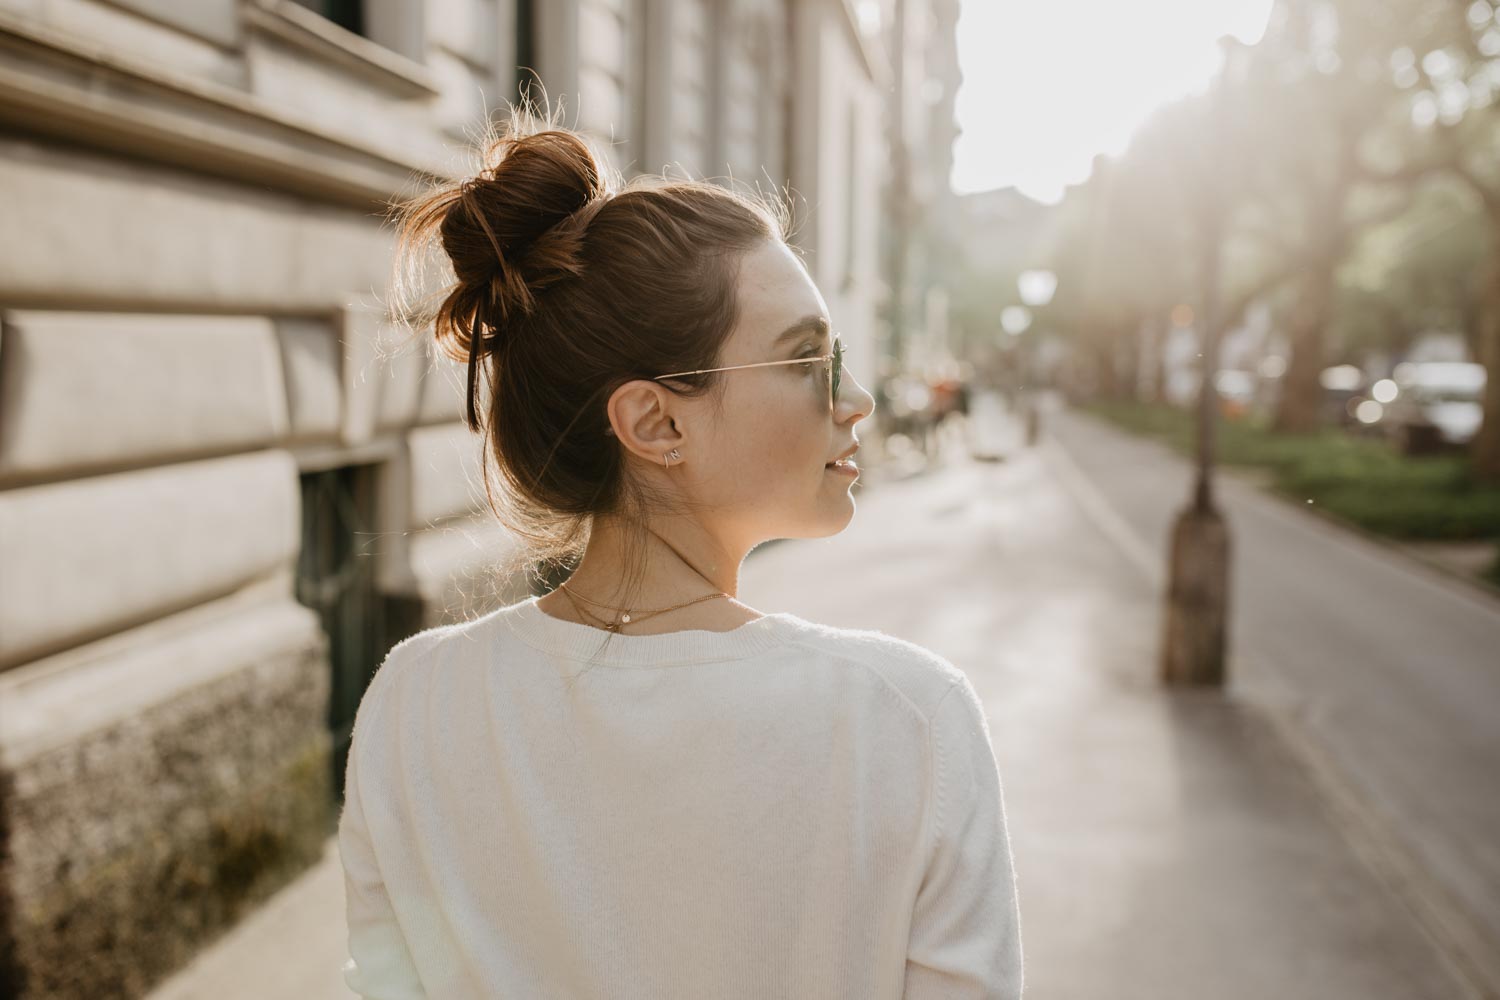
[{"x": 666, "y": 459}]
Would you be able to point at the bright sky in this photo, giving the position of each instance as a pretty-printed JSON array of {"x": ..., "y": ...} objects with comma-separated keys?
[{"x": 1047, "y": 84}]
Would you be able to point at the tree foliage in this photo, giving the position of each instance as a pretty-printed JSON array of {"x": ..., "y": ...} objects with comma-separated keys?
[{"x": 1347, "y": 166}]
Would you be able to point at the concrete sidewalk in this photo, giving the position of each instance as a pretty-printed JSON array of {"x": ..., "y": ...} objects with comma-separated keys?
[
  {"x": 1168, "y": 844},
  {"x": 289, "y": 949}
]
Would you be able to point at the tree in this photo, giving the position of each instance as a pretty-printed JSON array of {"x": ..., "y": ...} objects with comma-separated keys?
[
  {"x": 1122, "y": 253},
  {"x": 1447, "y": 64},
  {"x": 1413, "y": 273},
  {"x": 1318, "y": 88},
  {"x": 1134, "y": 238}
]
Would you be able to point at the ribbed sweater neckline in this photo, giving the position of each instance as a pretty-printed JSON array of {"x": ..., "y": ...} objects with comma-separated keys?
[{"x": 576, "y": 641}]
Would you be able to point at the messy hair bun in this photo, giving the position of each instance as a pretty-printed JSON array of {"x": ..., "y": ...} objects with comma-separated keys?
[
  {"x": 566, "y": 284},
  {"x": 511, "y": 231},
  {"x": 517, "y": 225}
]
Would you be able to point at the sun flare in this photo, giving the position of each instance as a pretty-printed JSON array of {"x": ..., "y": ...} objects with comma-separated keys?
[{"x": 1047, "y": 86}]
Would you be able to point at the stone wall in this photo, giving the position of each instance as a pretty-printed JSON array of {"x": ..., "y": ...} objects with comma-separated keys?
[
  {"x": 193, "y": 331},
  {"x": 191, "y": 324},
  {"x": 134, "y": 835}
]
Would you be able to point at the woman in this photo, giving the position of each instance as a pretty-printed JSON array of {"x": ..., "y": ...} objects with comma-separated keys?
[{"x": 637, "y": 785}]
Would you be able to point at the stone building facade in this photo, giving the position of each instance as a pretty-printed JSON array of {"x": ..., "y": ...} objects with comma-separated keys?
[
  {"x": 227, "y": 482},
  {"x": 919, "y": 249}
]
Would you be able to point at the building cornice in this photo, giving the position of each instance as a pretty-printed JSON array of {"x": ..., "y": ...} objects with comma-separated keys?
[
  {"x": 56, "y": 84},
  {"x": 875, "y": 68},
  {"x": 297, "y": 25}
]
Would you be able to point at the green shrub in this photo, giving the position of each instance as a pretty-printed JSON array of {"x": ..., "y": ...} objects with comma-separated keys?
[
  {"x": 1413, "y": 515},
  {"x": 1366, "y": 481}
]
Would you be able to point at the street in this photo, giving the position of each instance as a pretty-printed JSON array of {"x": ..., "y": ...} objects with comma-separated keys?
[
  {"x": 1390, "y": 666},
  {"x": 1168, "y": 844}
]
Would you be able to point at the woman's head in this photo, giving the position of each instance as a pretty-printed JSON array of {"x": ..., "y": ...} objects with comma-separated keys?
[
  {"x": 755, "y": 454},
  {"x": 572, "y": 292}
]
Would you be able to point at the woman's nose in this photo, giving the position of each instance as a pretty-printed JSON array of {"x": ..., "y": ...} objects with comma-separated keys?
[{"x": 855, "y": 402}]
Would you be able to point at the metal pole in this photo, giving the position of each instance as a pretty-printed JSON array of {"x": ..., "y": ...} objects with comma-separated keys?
[
  {"x": 1208, "y": 395},
  {"x": 1196, "y": 621}
]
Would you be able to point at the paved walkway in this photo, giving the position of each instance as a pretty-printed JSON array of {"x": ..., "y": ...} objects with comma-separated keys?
[{"x": 1169, "y": 844}]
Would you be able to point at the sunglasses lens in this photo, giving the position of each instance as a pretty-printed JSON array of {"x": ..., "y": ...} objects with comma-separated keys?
[{"x": 837, "y": 370}]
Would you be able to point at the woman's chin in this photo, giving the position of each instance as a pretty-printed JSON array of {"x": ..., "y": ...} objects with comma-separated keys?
[{"x": 839, "y": 519}]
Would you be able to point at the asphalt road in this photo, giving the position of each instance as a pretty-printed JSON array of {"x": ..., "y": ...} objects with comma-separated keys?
[{"x": 1390, "y": 668}]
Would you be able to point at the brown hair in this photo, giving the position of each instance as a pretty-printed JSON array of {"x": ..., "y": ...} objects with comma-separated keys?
[{"x": 566, "y": 284}]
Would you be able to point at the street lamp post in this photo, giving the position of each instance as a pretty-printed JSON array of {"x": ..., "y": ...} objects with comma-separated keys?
[{"x": 1196, "y": 623}]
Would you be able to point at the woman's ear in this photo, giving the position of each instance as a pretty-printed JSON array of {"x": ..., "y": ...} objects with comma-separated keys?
[{"x": 645, "y": 417}]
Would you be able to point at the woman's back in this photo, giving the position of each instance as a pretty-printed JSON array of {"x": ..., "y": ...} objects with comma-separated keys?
[{"x": 780, "y": 810}]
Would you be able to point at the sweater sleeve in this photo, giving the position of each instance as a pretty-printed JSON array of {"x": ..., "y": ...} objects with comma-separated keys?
[
  {"x": 966, "y": 931},
  {"x": 379, "y": 966}
]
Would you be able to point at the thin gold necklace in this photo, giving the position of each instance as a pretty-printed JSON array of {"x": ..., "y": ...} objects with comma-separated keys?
[
  {"x": 589, "y": 617},
  {"x": 626, "y": 616}
]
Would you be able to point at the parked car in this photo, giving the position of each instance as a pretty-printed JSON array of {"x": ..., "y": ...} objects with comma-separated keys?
[
  {"x": 1438, "y": 405},
  {"x": 1343, "y": 386}
]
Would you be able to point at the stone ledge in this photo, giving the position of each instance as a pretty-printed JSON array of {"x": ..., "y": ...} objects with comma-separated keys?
[
  {"x": 299, "y": 26},
  {"x": 58, "y": 701},
  {"x": 66, "y": 87},
  {"x": 131, "y": 844}
]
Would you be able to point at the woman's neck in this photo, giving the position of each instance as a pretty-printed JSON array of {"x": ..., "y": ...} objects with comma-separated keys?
[{"x": 682, "y": 562}]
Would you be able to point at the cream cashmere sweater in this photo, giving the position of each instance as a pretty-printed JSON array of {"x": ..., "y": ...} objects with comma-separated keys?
[{"x": 782, "y": 810}]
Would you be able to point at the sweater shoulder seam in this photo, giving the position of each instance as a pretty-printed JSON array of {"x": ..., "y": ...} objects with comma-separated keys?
[
  {"x": 885, "y": 682},
  {"x": 938, "y": 779}
]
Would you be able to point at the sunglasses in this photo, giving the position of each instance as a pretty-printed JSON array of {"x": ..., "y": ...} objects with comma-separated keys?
[{"x": 835, "y": 369}]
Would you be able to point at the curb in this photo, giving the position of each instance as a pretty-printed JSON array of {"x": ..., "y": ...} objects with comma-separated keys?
[{"x": 1246, "y": 477}]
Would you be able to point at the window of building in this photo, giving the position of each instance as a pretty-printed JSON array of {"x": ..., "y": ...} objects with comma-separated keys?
[
  {"x": 347, "y": 14},
  {"x": 336, "y": 578},
  {"x": 527, "y": 82}
]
